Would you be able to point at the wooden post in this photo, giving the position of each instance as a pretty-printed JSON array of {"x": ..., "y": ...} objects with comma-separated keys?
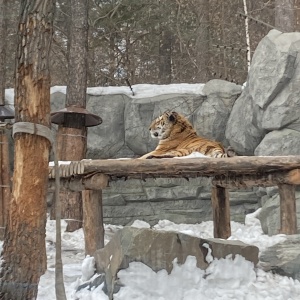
[
  {"x": 71, "y": 202},
  {"x": 93, "y": 221},
  {"x": 5, "y": 186},
  {"x": 288, "y": 216},
  {"x": 221, "y": 212},
  {"x": 1, "y": 185}
]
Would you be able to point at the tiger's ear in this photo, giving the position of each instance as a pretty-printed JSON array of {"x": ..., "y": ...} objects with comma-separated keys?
[{"x": 173, "y": 116}]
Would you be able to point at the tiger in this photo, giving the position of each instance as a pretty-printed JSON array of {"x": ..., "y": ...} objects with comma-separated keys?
[{"x": 177, "y": 138}]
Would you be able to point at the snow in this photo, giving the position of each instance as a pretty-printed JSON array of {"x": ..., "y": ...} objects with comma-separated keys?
[
  {"x": 224, "y": 278},
  {"x": 140, "y": 90}
]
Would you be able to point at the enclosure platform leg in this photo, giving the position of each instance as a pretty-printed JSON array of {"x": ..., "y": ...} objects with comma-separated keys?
[
  {"x": 221, "y": 212},
  {"x": 93, "y": 221},
  {"x": 288, "y": 215}
]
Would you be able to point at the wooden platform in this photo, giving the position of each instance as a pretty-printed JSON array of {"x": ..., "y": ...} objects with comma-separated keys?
[{"x": 226, "y": 173}]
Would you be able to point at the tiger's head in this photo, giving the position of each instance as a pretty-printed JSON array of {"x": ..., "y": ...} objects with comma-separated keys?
[{"x": 167, "y": 124}]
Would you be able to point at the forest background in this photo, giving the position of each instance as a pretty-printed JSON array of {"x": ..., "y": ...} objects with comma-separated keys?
[{"x": 161, "y": 41}]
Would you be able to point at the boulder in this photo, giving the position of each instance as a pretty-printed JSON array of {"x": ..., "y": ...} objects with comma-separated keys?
[
  {"x": 280, "y": 142},
  {"x": 271, "y": 98},
  {"x": 158, "y": 249},
  {"x": 107, "y": 139},
  {"x": 211, "y": 117},
  {"x": 270, "y": 214},
  {"x": 283, "y": 258},
  {"x": 242, "y": 131},
  {"x": 273, "y": 66}
]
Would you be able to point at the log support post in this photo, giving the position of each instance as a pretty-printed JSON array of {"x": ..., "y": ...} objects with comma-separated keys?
[
  {"x": 93, "y": 216},
  {"x": 288, "y": 215},
  {"x": 221, "y": 212},
  {"x": 5, "y": 182}
]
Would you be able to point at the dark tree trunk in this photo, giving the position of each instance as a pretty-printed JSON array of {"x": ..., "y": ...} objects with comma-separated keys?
[
  {"x": 73, "y": 131},
  {"x": 77, "y": 77},
  {"x": 24, "y": 253},
  {"x": 202, "y": 41},
  {"x": 3, "y": 33},
  {"x": 165, "y": 57}
]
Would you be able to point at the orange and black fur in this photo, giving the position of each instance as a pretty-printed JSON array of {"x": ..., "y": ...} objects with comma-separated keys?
[{"x": 177, "y": 137}]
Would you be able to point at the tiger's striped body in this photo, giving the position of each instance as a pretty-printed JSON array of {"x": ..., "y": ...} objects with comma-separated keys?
[{"x": 177, "y": 137}]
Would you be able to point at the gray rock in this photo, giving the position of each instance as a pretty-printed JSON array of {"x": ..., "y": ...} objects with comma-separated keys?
[
  {"x": 270, "y": 214},
  {"x": 272, "y": 66},
  {"x": 283, "y": 258},
  {"x": 107, "y": 139},
  {"x": 271, "y": 98},
  {"x": 241, "y": 132},
  {"x": 58, "y": 101},
  {"x": 211, "y": 117},
  {"x": 280, "y": 142},
  {"x": 158, "y": 249}
]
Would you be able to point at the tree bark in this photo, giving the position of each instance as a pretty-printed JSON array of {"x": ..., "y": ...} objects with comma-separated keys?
[
  {"x": 189, "y": 167},
  {"x": 74, "y": 133},
  {"x": 165, "y": 57},
  {"x": 93, "y": 221},
  {"x": 3, "y": 33},
  {"x": 202, "y": 41},
  {"x": 288, "y": 215},
  {"x": 24, "y": 253},
  {"x": 221, "y": 212}
]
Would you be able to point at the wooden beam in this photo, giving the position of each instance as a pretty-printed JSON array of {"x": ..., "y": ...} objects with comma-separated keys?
[
  {"x": 190, "y": 167},
  {"x": 77, "y": 184},
  {"x": 221, "y": 212},
  {"x": 249, "y": 180},
  {"x": 93, "y": 221},
  {"x": 288, "y": 215}
]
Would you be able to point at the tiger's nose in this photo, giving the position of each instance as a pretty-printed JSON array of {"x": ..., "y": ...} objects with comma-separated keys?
[{"x": 155, "y": 133}]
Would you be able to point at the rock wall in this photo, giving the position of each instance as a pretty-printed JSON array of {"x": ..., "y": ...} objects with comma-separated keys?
[
  {"x": 263, "y": 118},
  {"x": 124, "y": 133}
]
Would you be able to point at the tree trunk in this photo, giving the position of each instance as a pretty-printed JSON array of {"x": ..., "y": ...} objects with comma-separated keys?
[
  {"x": 3, "y": 33},
  {"x": 165, "y": 57},
  {"x": 24, "y": 255},
  {"x": 202, "y": 41},
  {"x": 285, "y": 15},
  {"x": 73, "y": 131}
]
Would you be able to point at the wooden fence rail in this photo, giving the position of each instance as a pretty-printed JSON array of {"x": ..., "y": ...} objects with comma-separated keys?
[{"x": 226, "y": 173}]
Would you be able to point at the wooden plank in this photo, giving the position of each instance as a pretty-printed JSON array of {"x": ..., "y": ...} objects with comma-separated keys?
[
  {"x": 192, "y": 166},
  {"x": 249, "y": 180},
  {"x": 221, "y": 212},
  {"x": 288, "y": 215},
  {"x": 93, "y": 221}
]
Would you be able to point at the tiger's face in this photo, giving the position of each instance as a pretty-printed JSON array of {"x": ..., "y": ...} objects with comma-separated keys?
[{"x": 162, "y": 126}]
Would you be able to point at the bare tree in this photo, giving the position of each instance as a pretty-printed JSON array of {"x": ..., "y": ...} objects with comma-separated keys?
[
  {"x": 24, "y": 253},
  {"x": 73, "y": 131},
  {"x": 3, "y": 33},
  {"x": 202, "y": 40}
]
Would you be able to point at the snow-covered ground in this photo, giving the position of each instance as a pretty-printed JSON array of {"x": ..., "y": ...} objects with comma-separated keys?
[{"x": 224, "y": 279}]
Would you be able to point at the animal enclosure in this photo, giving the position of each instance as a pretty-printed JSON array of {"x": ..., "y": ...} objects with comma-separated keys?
[{"x": 226, "y": 173}]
